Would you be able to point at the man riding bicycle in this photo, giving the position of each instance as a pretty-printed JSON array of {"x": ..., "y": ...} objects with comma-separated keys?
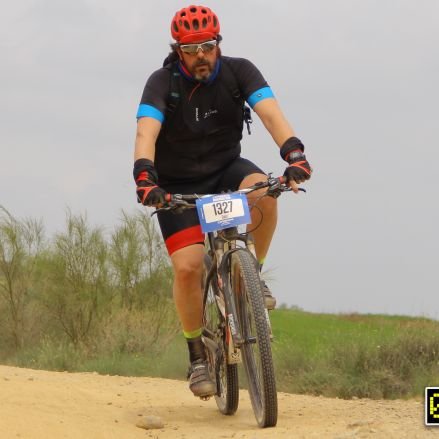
[{"x": 190, "y": 122}]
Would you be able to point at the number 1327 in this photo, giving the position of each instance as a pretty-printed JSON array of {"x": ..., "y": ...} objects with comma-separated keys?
[{"x": 223, "y": 207}]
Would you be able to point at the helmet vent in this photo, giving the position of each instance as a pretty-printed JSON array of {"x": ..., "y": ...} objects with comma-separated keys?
[{"x": 194, "y": 22}]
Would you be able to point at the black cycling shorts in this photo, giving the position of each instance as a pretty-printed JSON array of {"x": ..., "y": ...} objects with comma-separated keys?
[{"x": 182, "y": 229}]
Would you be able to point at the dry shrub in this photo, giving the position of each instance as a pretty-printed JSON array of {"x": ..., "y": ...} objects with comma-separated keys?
[{"x": 145, "y": 330}]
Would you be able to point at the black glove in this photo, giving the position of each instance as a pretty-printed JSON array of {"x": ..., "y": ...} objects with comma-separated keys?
[
  {"x": 145, "y": 176},
  {"x": 299, "y": 169}
]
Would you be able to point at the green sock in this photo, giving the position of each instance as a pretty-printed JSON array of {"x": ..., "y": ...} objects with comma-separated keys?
[
  {"x": 195, "y": 345},
  {"x": 192, "y": 334}
]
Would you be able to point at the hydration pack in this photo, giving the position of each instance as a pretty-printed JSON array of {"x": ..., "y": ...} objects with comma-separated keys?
[{"x": 230, "y": 82}]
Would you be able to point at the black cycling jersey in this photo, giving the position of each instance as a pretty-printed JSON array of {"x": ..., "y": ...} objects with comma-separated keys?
[{"x": 202, "y": 134}]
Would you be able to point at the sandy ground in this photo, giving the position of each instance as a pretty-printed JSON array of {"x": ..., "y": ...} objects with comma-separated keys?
[{"x": 37, "y": 404}]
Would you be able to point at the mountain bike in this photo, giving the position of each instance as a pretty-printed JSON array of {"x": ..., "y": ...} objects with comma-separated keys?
[{"x": 236, "y": 323}]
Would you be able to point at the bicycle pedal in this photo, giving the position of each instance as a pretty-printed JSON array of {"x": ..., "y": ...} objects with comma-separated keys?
[{"x": 205, "y": 398}]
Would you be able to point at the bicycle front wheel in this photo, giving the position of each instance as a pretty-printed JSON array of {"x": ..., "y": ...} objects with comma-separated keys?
[
  {"x": 256, "y": 349},
  {"x": 225, "y": 375}
]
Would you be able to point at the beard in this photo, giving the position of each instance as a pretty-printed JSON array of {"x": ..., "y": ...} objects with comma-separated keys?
[{"x": 202, "y": 69}]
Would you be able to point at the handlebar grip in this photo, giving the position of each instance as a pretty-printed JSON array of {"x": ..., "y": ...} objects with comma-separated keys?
[{"x": 168, "y": 198}]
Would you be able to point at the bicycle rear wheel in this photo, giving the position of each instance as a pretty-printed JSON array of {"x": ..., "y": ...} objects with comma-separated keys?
[
  {"x": 225, "y": 375},
  {"x": 256, "y": 349}
]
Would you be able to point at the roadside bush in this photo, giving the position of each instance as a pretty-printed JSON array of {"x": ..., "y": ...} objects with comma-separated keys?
[
  {"x": 76, "y": 278},
  {"x": 138, "y": 262},
  {"x": 20, "y": 243},
  {"x": 137, "y": 331}
]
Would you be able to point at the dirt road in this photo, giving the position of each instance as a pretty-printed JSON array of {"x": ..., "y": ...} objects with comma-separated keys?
[{"x": 38, "y": 404}]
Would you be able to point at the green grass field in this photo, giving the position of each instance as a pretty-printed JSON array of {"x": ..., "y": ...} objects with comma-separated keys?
[{"x": 373, "y": 356}]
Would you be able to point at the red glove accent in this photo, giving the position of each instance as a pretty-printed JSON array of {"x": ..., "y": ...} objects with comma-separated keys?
[
  {"x": 299, "y": 169},
  {"x": 148, "y": 192},
  {"x": 150, "y": 195}
]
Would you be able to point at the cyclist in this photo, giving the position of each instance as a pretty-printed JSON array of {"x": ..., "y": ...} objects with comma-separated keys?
[{"x": 190, "y": 123}]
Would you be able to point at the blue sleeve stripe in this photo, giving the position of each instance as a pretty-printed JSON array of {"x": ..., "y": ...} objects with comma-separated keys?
[
  {"x": 259, "y": 95},
  {"x": 146, "y": 110}
]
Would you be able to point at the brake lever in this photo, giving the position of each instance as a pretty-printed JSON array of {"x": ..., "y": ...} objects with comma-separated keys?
[
  {"x": 280, "y": 183},
  {"x": 177, "y": 205},
  {"x": 288, "y": 189},
  {"x": 276, "y": 187}
]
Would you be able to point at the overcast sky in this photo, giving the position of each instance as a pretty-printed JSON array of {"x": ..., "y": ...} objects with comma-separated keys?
[{"x": 358, "y": 80}]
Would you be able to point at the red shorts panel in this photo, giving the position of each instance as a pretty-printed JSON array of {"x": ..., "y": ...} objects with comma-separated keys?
[{"x": 183, "y": 238}]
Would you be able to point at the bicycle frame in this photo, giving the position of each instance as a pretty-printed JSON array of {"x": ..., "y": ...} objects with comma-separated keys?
[{"x": 221, "y": 247}]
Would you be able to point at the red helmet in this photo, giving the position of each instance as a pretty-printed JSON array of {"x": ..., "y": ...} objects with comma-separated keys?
[{"x": 195, "y": 24}]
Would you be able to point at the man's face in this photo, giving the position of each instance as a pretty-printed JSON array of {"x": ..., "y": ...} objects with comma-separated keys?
[{"x": 200, "y": 63}]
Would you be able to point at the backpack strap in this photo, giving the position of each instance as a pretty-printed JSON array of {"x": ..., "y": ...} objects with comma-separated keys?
[
  {"x": 174, "y": 89},
  {"x": 232, "y": 85},
  {"x": 230, "y": 81}
]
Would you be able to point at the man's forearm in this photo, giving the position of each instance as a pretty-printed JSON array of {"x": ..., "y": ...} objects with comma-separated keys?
[
  {"x": 274, "y": 121},
  {"x": 148, "y": 130},
  {"x": 144, "y": 148}
]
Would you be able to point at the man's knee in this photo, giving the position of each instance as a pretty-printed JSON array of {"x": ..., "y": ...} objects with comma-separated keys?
[
  {"x": 265, "y": 205},
  {"x": 267, "y": 202},
  {"x": 252, "y": 179},
  {"x": 188, "y": 263},
  {"x": 187, "y": 272},
  {"x": 258, "y": 196}
]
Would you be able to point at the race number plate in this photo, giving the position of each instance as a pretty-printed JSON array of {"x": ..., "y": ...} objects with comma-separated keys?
[{"x": 218, "y": 212}]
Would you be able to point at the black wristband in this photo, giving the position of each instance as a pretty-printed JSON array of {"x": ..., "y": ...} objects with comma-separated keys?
[
  {"x": 141, "y": 165},
  {"x": 291, "y": 144}
]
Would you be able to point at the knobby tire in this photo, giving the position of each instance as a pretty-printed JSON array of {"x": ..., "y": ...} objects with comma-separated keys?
[{"x": 256, "y": 350}]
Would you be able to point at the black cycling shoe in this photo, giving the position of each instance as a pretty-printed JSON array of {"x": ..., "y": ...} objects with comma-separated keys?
[
  {"x": 200, "y": 382},
  {"x": 270, "y": 300}
]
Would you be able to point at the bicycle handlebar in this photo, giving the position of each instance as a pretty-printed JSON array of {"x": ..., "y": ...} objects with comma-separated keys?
[{"x": 275, "y": 185}]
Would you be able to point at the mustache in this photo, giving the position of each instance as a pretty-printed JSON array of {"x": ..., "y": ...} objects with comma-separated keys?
[{"x": 201, "y": 62}]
